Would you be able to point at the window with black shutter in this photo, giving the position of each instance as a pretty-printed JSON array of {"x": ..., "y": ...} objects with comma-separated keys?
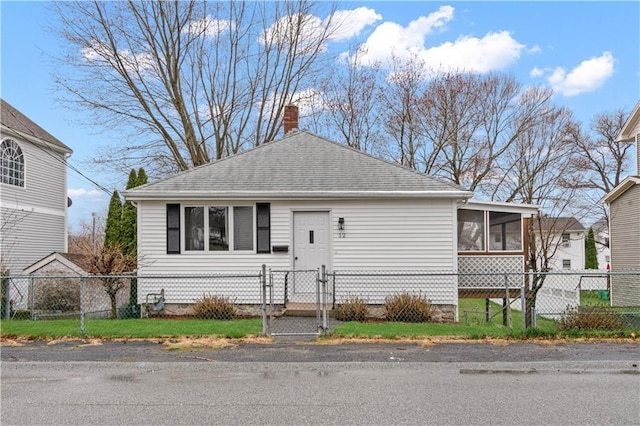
[
  {"x": 173, "y": 228},
  {"x": 263, "y": 227}
]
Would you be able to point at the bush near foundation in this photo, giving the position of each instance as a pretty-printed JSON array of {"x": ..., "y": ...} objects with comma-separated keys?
[
  {"x": 352, "y": 309},
  {"x": 215, "y": 307},
  {"x": 407, "y": 307}
]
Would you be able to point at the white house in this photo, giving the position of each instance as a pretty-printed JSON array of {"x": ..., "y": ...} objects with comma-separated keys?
[
  {"x": 296, "y": 203},
  {"x": 303, "y": 201},
  {"x": 33, "y": 191},
  {"x": 566, "y": 236},
  {"x": 624, "y": 223}
]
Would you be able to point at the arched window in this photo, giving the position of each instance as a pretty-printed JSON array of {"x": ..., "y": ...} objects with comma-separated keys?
[{"x": 11, "y": 163}]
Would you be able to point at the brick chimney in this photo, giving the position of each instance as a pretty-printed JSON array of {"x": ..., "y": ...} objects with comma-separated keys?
[{"x": 290, "y": 118}]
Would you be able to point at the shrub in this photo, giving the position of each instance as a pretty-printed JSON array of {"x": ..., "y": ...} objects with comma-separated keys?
[
  {"x": 352, "y": 309},
  {"x": 22, "y": 314},
  {"x": 407, "y": 307},
  {"x": 215, "y": 307},
  {"x": 591, "y": 318},
  {"x": 60, "y": 295}
]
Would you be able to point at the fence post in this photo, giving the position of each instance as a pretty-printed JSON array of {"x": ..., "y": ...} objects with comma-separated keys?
[
  {"x": 508, "y": 303},
  {"x": 263, "y": 282},
  {"x": 325, "y": 326},
  {"x": 82, "y": 331},
  {"x": 6, "y": 298},
  {"x": 523, "y": 305}
]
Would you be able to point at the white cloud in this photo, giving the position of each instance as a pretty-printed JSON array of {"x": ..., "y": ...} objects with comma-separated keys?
[
  {"x": 79, "y": 193},
  {"x": 534, "y": 49},
  {"x": 586, "y": 77},
  {"x": 349, "y": 23},
  {"x": 344, "y": 24},
  {"x": 98, "y": 51},
  {"x": 209, "y": 26},
  {"x": 536, "y": 72},
  {"x": 391, "y": 38},
  {"x": 494, "y": 51}
]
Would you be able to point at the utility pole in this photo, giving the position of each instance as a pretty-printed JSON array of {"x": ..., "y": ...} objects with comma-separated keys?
[{"x": 93, "y": 232}]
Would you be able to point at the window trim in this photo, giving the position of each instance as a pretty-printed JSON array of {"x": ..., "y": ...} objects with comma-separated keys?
[
  {"x": 488, "y": 231},
  {"x": 22, "y": 180},
  {"x": 267, "y": 207},
  {"x": 486, "y": 215},
  {"x": 173, "y": 208},
  {"x": 230, "y": 227},
  {"x": 484, "y": 232}
]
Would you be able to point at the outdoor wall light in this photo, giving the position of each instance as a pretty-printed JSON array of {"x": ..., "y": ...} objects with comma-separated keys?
[{"x": 341, "y": 224}]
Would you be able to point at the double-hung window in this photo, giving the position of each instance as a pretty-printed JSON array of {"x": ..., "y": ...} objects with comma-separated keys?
[{"x": 218, "y": 228}]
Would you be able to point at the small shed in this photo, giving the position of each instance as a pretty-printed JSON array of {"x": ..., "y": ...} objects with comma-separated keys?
[{"x": 60, "y": 285}]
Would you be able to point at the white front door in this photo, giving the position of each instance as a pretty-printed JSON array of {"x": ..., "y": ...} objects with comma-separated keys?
[{"x": 311, "y": 233}]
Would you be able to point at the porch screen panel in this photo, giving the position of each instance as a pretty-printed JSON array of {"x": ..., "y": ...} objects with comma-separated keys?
[
  {"x": 471, "y": 230},
  {"x": 505, "y": 231}
]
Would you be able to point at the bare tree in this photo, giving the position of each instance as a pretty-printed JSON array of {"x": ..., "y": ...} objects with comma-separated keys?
[
  {"x": 350, "y": 104},
  {"x": 399, "y": 100},
  {"x": 602, "y": 161},
  {"x": 538, "y": 169},
  {"x": 472, "y": 120},
  {"x": 192, "y": 80}
]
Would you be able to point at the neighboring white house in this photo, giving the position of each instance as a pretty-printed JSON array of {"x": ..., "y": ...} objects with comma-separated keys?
[
  {"x": 566, "y": 236},
  {"x": 624, "y": 218},
  {"x": 601, "y": 234},
  {"x": 33, "y": 191}
]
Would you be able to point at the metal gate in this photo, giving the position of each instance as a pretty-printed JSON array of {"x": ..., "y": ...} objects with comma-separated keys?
[{"x": 295, "y": 303}]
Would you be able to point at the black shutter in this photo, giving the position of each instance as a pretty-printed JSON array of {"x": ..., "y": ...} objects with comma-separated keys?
[
  {"x": 173, "y": 228},
  {"x": 263, "y": 225}
]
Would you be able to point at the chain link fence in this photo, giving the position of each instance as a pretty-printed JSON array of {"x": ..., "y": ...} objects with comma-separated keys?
[{"x": 313, "y": 302}]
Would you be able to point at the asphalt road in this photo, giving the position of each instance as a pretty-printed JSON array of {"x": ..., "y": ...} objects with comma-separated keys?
[{"x": 296, "y": 384}]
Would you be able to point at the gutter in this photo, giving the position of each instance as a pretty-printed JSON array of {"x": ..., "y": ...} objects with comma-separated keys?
[{"x": 286, "y": 195}]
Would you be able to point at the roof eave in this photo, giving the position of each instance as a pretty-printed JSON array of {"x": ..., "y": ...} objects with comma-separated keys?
[
  {"x": 620, "y": 189},
  {"x": 63, "y": 149},
  {"x": 499, "y": 206},
  {"x": 625, "y": 133},
  {"x": 290, "y": 195}
]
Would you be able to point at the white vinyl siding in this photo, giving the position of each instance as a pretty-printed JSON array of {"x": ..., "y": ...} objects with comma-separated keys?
[
  {"x": 31, "y": 237},
  {"x": 396, "y": 234},
  {"x": 44, "y": 179},
  {"x": 34, "y": 216}
]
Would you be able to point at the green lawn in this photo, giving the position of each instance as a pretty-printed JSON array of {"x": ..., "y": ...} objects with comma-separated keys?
[
  {"x": 133, "y": 328},
  {"x": 472, "y": 324},
  {"x": 594, "y": 298}
]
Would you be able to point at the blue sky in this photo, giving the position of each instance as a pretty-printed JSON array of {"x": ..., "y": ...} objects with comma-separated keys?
[{"x": 588, "y": 52}]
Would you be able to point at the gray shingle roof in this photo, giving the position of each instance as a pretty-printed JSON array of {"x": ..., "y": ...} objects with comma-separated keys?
[
  {"x": 300, "y": 164},
  {"x": 13, "y": 119},
  {"x": 561, "y": 224}
]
